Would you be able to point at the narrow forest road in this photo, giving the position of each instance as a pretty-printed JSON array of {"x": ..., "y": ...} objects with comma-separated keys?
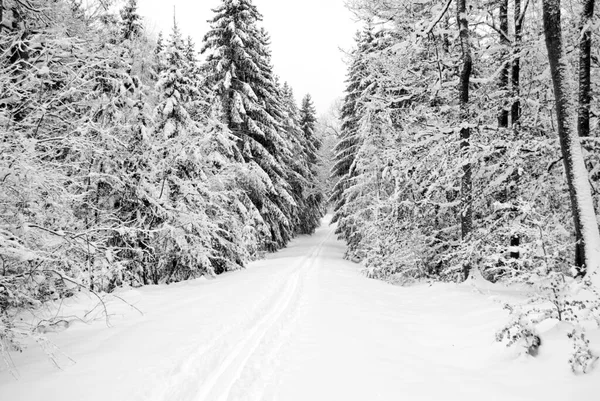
[{"x": 303, "y": 324}]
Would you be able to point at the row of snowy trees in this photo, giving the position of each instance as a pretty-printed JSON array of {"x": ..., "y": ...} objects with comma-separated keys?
[
  {"x": 457, "y": 119},
  {"x": 128, "y": 162}
]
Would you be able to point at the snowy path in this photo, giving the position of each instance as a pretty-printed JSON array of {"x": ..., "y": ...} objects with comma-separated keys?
[{"x": 301, "y": 325}]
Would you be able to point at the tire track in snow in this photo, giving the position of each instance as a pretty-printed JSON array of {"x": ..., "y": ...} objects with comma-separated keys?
[{"x": 212, "y": 368}]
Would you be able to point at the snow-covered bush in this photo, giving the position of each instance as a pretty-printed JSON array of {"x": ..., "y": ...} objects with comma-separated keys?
[
  {"x": 119, "y": 167},
  {"x": 442, "y": 180},
  {"x": 558, "y": 299}
]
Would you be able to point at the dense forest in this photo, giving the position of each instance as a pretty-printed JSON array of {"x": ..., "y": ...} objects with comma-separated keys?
[
  {"x": 124, "y": 160},
  {"x": 459, "y": 152},
  {"x": 466, "y": 147}
]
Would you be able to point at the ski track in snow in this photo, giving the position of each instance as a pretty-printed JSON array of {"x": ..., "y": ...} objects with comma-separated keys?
[
  {"x": 302, "y": 324},
  {"x": 239, "y": 362}
]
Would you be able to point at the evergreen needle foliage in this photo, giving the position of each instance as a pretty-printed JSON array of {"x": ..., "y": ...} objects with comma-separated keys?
[{"x": 126, "y": 162}]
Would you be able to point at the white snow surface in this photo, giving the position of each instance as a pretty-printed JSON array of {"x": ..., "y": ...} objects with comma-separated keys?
[{"x": 303, "y": 324}]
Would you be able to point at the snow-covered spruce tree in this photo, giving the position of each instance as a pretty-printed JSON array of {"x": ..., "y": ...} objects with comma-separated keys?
[
  {"x": 349, "y": 141},
  {"x": 157, "y": 61},
  {"x": 131, "y": 21},
  {"x": 239, "y": 71},
  {"x": 299, "y": 127},
  {"x": 199, "y": 106},
  {"x": 140, "y": 47},
  {"x": 308, "y": 122},
  {"x": 312, "y": 212},
  {"x": 287, "y": 147},
  {"x": 373, "y": 138},
  {"x": 297, "y": 170},
  {"x": 188, "y": 239},
  {"x": 235, "y": 243},
  {"x": 367, "y": 188}
]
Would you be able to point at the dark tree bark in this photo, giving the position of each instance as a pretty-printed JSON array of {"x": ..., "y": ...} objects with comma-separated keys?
[
  {"x": 503, "y": 83},
  {"x": 585, "y": 47},
  {"x": 584, "y": 218},
  {"x": 515, "y": 112},
  {"x": 446, "y": 40},
  {"x": 466, "y": 217}
]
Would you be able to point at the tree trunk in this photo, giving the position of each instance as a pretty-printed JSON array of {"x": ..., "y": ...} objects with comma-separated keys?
[
  {"x": 466, "y": 217},
  {"x": 503, "y": 84},
  {"x": 587, "y": 250},
  {"x": 585, "y": 47},
  {"x": 446, "y": 36},
  {"x": 515, "y": 112}
]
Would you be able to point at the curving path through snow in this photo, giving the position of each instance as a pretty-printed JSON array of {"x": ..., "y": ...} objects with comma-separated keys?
[{"x": 303, "y": 324}]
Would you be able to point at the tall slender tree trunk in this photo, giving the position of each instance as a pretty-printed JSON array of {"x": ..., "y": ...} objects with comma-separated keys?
[
  {"x": 503, "y": 83},
  {"x": 466, "y": 217},
  {"x": 515, "y": 112},
  {"x": 585, "y": 47},
  {"x": 587, "y": 249}
]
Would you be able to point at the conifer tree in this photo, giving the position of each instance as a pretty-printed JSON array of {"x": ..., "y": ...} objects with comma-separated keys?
[
  {"x": 131, "y": 22},
  {"x": 349, "y": 141},
  {"x": 312, "y": 211},
  {"x": 156, "y": 62},
  {"x": 190, "y": 51},
  {"x": 184, "y": 230},
  {"x": 240, "y": 73},
  {"x": 202, "y": 229},
  {"x": 308, "y": 122},
  {"x": 296, "y": 166},
  {"x": 108, "y": 191},
  {"x": 199, "y": 106}
]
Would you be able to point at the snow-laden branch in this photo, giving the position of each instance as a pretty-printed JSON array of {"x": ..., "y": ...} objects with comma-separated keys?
[
  {"x": 437, "y": 19},
  {"x": 492, "y": 77}
]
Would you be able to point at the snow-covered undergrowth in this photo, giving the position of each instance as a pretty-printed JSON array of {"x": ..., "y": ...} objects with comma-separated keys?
[
  {"x": 444, "y": 173},
  {"x": 121, "y": 160},
  {"x": 304, "y": 324},
  {"x": 563, "y": 305}
]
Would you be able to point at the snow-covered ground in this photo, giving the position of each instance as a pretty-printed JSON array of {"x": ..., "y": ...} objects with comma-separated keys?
[{"x": 303, "y": 324}]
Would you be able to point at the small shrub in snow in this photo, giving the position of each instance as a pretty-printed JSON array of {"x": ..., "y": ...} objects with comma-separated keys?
[
  {"x": 520, "y": 331},
  {"x": 563, "y": 299},
  {"x": 583, "y": 359}
]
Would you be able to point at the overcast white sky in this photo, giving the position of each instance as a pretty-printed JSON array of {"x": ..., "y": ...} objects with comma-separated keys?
[{"x": 305, "y": 38}]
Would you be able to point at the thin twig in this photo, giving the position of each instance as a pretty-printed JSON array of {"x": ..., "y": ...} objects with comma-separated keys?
[
  {"x": 62, "y": 277},
  {"x": 437, "y": 19},
  {"x": 133, "y": 306}
]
